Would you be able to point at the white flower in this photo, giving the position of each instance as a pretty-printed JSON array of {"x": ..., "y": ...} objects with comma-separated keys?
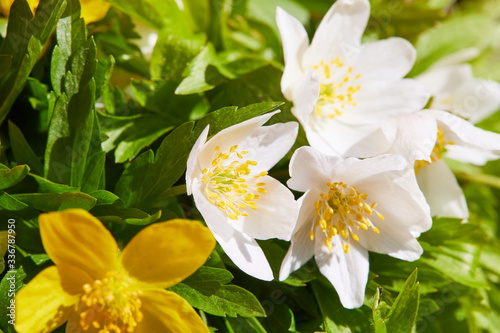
[
  {"x": 343, "y": 91},
  {"x": 454, "y": 88},
  {"x": 227, "y": 176},
  {"x": 424, "y": 137},
  {"x": 351, "y": 207}
]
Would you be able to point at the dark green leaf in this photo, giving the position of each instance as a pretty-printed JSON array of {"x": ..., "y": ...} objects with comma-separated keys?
[{"x": 23, "y": 154}]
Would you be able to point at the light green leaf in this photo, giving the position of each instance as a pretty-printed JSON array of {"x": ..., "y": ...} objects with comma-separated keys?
[
  {"x": 48, "y": 202},
  {"x": 404, "y": 311},
  {"x": 10, "y": 177},
  {"x": 228, "y": 300}
]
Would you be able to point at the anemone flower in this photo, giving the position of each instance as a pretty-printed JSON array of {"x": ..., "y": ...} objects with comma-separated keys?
[
  {"x": 342, "y": 90},
  {"x": 351, "y": 207},
  {"x": 227, "y": 176}
]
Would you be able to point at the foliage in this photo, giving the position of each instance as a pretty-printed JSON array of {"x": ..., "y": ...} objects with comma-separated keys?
[{"x": 88, "y": 121}]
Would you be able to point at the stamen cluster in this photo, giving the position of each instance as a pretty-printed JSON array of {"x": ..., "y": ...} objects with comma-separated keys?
[
  {"x": 335, "y": 96},
  {"x": 342, "y": 211},
  {"x": 437, "y": 152},
  {"x": 111, "y": 305},
  {"x": 230, "y": 185}
]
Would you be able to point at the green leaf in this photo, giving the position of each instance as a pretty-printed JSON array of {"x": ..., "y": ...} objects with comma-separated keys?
[
  {"x": 22, "y": 46},
  {"x": 71, "y": 125},
  {"x": 149, "y": 176},
  {"x": 114, "y": 214},
  {"x": 203, "y": 73},
  {"x": 228, "y": 300},
  {"x": 172, "y": 53},
  {"x": 94, "y": 164},
  {"x": 404, "y": 311},
  {"x": 11, "y": 283},
  {"x": 207, "y": 280},
  {"x": 156, "y": 13},
  {"x": 236, "y": 325},
  {"x": 335, "y": 317},
  {"x": 23, "y": 154},
  {"x": 10, "y": 177},
  {"x": 48, "y": 202}
]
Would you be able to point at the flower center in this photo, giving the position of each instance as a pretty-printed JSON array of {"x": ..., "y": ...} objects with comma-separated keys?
[
  {"x": 437, "y": 151},
  {"x": 337, "y": 88},
  {"x": 343, "y": 211},
  {"x": 230, "y": 184},
  {"x": 111, "y": 305}
]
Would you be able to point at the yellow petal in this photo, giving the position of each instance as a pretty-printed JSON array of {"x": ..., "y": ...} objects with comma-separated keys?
[
  {"x": 76, "y": 238},
  {"x": 94, "y": 10},
  {"x": 166, "y": 253},
  {"x": 167, "y": 312},
  {"x": 5, "y": 6},
  {"x": 47, "y": 301}
]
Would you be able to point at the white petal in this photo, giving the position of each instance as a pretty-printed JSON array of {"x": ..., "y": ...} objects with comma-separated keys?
[
  {"x": 310, "y": 168},
  {"x": 247, "y": 255},
  {"x": 276, "y": 213},
  {"x": 476, "y": 99},
  {"x": 295, "y": 42},
  {"x": 229, "y": 137},
  {"x": 192, "y": 162},
  {"x": 390, "y": 181},
  {"x": 302, "y": 248},
  {"x": 339, "y": 33},
  {"x": 304, "y": 96},
  {"x": 268, "y": 144},
  {"x": 216, "y": 220},
  {"x": 380, "y": 101},
  {"x": 347, "y": 272},
  {"x": 444, "y": 195},
  {"x": 413, "y": 135},
  {"x": 462, "y": 132},
  {"x": 242, "y": 249},
  {"x": 387, "y": 59},
  {"x": 396, "y": 242},
  {"x": 473, "y": 155},
  {"x": 443, "y": 81}
]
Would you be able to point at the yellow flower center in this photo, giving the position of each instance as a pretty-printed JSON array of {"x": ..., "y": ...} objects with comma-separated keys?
[
  {"x": 343, "y": 211},
  {"x": 335, "y": 95},
  {"x": 111, "y": 305},
  {"x": 230, "y": 184},
  {"x": 437, "y": 151}
]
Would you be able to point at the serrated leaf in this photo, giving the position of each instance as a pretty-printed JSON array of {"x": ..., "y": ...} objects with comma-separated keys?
[
  {"x": 22, "y": 46},
  {"x": 72, "y": 118},
  {"x": 149, "y": 176},
  {"x": 10, "y": 177},
  {"x": 207, "y": 280},
  {"x": 404, "y": 311},
  {"x": 228, "y": 300},
  {"x": 203, "y": 73}
]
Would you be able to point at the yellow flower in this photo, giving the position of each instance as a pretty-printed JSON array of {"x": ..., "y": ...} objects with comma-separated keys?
[
  {"x": 96, "y": 289},
  {"x": 92, "y": 10}
]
